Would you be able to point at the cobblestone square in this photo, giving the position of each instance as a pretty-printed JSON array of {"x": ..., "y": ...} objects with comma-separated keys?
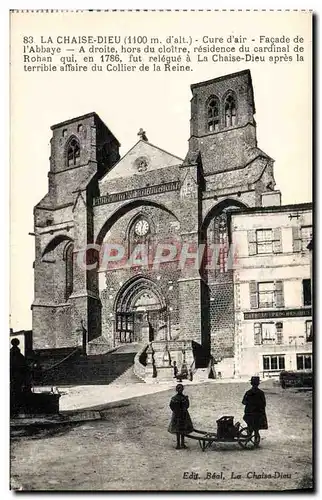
[{"x": 130, "y": 449}]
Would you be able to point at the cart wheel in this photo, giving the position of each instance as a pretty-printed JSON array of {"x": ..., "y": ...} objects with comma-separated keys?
[
  {"x": 247, "y": 440},
  {"x": 202, "y": 444}
]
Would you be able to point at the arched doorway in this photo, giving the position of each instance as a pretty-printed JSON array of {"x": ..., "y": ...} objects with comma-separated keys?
[{"x": 140, "y": 311}]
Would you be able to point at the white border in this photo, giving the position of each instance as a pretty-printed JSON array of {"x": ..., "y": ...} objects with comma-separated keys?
[{"x": 120, "y": 4}]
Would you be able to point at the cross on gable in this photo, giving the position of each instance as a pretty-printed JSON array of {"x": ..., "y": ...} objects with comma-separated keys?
[{"x": 142, "y": 135}]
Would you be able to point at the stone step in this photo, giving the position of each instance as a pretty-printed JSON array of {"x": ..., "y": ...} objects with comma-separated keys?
[
  {"x": 128, "y": 377},
  {"x": 98, "y": 369},
  {"x": 201, "y": 375}
]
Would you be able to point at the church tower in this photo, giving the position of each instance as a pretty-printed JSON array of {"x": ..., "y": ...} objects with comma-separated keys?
[
  {"x": 83, "y": 149},
  {"x": 234, "y": 174},
  {"x": 222, "y": 125}
]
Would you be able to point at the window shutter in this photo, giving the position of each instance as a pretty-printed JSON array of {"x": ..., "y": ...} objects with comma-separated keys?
[
  {"x": 279, "y": 333},
  {"x": 279, "y": 293},
  {"x": 297, "y": 243},
  {"x": 307, "y": 296},
  {"x": 277, "y": 240},
  {"x": 252, "y": 245},
  {"x": 253, "y": 296},
  {"x": 257, "y": 334}
]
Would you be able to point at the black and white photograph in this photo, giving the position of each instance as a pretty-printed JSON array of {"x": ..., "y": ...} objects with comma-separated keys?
[{"x": 161, "y": 246}]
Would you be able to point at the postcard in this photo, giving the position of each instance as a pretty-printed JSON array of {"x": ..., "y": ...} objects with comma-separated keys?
[{"x": 161, "y": 328}]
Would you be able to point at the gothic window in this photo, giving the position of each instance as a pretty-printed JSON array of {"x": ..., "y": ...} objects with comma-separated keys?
[
  {"x": 230, "y": 111},
  {"x": 213, "y": 115},
  {"x": 69, "y": 262},
  {"x": 221, "y": 241},
  {"x": 73, "y": 152}
]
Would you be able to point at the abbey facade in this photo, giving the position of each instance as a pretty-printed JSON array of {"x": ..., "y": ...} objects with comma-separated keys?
[{"x": 117, "y": 238}]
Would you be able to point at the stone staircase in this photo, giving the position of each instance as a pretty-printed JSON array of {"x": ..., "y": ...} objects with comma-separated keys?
[
  {"x": 126, "y": 378},
  {"x": 100, "y": 369}
]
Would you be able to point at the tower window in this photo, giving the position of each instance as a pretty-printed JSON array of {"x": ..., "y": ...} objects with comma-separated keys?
[
  {"x": 69, "y": 262},
  {"x": 73, "y": 152},
  {"x": 230, "y": 111},
  {"x": 213, "y": 115}
]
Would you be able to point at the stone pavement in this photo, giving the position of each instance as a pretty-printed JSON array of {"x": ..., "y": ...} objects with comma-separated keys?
[
  {"x": 88, "y": 396},
  {"x": 130, "y": 449},
  {"x": 24, "y": 421}
]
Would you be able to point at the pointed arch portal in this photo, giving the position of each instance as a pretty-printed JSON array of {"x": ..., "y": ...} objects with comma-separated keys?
[{"x": 140, "y": 310}]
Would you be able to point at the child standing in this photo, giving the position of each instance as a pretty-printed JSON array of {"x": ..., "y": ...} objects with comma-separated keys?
[
  {"x": 255, "y": 404},
  {"x": 181, "y": 423}
]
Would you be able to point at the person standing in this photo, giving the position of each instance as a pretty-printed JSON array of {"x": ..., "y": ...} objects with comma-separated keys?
[
  {"x": 20, "y": 381},
  {"x": 255, "y": 409},
  {"x": 181, "y": 423}
]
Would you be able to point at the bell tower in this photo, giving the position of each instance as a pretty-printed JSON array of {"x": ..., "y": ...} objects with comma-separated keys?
[
  {"x": 222, "y": 125},
  {"x": 235, "y": 174},
  {"x": 66, "y": 306},
  {"x": 80, "y": 148}
]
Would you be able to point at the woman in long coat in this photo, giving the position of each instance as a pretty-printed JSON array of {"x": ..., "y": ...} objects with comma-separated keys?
[
  {"x": 255, "y": 404},
  {"x": 181, "y": 423}
]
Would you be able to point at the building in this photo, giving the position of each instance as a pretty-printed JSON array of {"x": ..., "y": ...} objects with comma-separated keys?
[
  {"x": 117, "y": 239},
  {"x": 272, "y": 279}
]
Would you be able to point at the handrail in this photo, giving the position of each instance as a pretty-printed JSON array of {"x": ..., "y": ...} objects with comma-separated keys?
[
  {"x": 59, "y": 362},
  {"x": 139, "y": 369},
  {"x": 193, "y": 368}
]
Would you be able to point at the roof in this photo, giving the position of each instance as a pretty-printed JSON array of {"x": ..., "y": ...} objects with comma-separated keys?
[
  {"x": 76, "y": 119},
  {"x": 159, "y": 176},
  {"x": 249, "y": 174},
  {"x": 220, "y": 78},
  {"x": 275, "y": 208},
  {"x": 110, "y": 174},
  {"x": 83, "y": 117}
]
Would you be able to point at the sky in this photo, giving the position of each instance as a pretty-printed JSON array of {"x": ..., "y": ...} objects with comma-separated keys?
[{"x": 158, "y": 102}]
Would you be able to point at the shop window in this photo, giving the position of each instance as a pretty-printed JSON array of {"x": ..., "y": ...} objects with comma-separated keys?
[
  {"x": 304, "y": 361},
  {"x": 265, "y": 333},
  {"x": 271, "y": 363}
]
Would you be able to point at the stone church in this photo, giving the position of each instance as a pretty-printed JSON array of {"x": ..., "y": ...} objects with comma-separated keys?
[{"x": 96, "y": 199}]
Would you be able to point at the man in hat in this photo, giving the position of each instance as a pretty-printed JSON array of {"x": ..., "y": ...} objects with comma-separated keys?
[{"x": 255, "y": 403}]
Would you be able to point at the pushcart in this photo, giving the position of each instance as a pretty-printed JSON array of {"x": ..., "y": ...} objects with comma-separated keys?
[{"x": 227, "y": 431}]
